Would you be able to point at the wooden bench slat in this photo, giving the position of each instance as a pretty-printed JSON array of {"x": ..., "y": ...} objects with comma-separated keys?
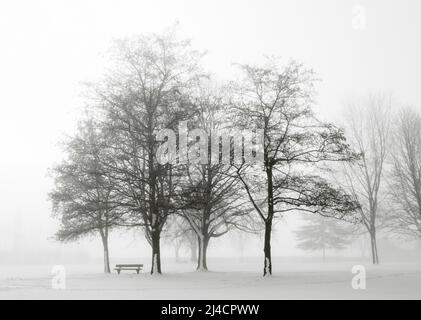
[{"x": 136, "y": 267}]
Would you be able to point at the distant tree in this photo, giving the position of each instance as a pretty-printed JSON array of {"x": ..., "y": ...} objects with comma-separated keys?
[
  {"x": 83, "y": 198},
  {"x": 278, "y": 101},
  {"x": 321, "y": 233},
  {"x": 241, "y": 241},
  {"x": 369, "y": 128},
  {"x": 405, "y": 177},
  {"x": 178, "y": 234},
  {"x": 193, "y": 245}
]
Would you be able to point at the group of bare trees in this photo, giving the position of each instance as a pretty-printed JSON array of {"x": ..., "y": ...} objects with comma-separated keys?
[
  {"x": 386, "y": 179},
  {"x": 112, "y": 176},
  {"x": 369, "y": 125}
]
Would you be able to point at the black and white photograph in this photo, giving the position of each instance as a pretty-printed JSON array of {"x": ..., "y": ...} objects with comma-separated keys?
[{"x": 211, "y": 151}]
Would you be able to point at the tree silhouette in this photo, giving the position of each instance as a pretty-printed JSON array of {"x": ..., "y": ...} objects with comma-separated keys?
[
  {"x": 322, "y": 233},
  {"x": 278, "y": 100}
]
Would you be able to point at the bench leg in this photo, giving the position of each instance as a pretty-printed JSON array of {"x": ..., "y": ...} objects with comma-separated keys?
[
  {"x": 137, "y": 271},
  {"x": 118, "y": 271}
]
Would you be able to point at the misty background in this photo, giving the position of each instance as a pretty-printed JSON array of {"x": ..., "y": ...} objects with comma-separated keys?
[{"x": 49, "y": 48}]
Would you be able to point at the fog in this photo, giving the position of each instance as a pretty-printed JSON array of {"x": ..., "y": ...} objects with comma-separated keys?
[{"x": 50, "y": 48}]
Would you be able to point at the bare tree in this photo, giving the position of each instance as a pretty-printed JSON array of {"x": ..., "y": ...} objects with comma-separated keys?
[
  {"x": 178, "y": 233},
  {"x": 278, "y": 101},
  {"x": 211, "y": 197},
  {"x": 146, "y": 92},
  {"x": 369, "y": 126},
  {"x": 213, "y": 205},
  {"x": 405, "y": 177},
  {"x": 84, "y": 198}
]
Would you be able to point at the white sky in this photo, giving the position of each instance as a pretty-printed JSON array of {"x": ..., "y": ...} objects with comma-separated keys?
[{"x": 49, "y": 47}]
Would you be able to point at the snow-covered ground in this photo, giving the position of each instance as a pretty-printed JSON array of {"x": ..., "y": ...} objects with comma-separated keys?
[{"x": 229, "y": 279}]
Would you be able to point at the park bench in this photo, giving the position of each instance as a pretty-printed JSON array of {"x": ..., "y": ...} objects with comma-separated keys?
[{"x": 136, "y": 267}]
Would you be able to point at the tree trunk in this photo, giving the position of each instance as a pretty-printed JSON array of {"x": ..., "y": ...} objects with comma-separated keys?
[
  {"x": 241, "y": 250},
  {"x": 193, "y": 249},
  {"x": 104, "y": 238},
  {"x": 177, "y": 250},
  {"x": 156, "y": 252},
  {"x": 203, "y": 247},
  {"x": 374, "y": 253},
  {"x": 267, "y": 270}
]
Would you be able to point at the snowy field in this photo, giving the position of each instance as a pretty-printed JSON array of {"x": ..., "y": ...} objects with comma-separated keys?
[{"x": 227, "y": 280}]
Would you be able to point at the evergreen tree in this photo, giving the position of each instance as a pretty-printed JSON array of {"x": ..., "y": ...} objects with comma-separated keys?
[{"x": 322, "y": 233}]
